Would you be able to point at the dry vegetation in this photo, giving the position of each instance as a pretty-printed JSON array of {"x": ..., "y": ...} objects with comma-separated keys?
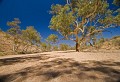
[
  {"x": 113, "y": 43},
  {"x": 6, "y": 46}
]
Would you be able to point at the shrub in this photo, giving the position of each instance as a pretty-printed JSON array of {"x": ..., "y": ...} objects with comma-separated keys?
[{"x": 64, "y": 47}]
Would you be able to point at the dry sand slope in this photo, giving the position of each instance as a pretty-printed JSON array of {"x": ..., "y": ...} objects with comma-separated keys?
[{"x": 61, "y": 66}]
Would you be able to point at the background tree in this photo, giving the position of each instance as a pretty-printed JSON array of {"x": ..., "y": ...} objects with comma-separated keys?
[
  {"x": 82, "y": 19},
  {"x": 31, "y": 37},
  {"x": 15, "y": 32},
  {"x": 51, "y": 39},
  {"x": 44, "y": 46}
]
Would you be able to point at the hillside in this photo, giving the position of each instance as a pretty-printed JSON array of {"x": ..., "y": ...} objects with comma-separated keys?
[
  {"x": 113, "y": 43},
  {"x": 103, "y": 44},
  {"x": 6, "y": 45}
]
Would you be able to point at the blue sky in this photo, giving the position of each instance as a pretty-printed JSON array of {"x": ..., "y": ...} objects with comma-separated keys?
[
  {"x": 35, "y": 13},
  {"x": 30, "y": 12}
]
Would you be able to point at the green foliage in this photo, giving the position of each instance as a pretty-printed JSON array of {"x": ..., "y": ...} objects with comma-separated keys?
[
  {"x": 44, "y": 46},
  {"x": 87, "y": 18},
  {"x": 15, "y": 28},
  {"x": 12, "y": 31},
  {"x": 52, "y": 38},
  {"x": 31, "y": 35},
  {"x": 14, "y": 23},
  {"x": 91, "y": 29},
  {"x": 15, "y": 32},
  {"x": 62, "y": 19},
  {"x": 87, "y": 8},
  {"x": 22, "y": 38},
  {"x": 55, "y": 9},
  {"x": 51, "y": 41}
]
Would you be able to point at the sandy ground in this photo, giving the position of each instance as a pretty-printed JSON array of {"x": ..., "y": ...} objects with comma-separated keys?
[{"x": 61, "y": 66}]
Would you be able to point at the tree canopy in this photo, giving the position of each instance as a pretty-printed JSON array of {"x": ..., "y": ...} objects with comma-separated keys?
[
  {"x": 52, "y": 38},
  {"x": 22, "y": 38},
  {"x": 83, "y": 18},
  {"x": 15, "y": 28},
  {"x": 31, "y": 35}
]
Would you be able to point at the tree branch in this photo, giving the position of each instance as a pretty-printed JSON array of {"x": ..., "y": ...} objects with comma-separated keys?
[{"x": 96, "y": 6}]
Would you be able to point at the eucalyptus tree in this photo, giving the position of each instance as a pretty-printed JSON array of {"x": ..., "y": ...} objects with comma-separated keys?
[
  {"x": 44, "y": 46},
  {"x": 52, "y": 39},
  {"x": 15, "y": 32},
  {"x": 30, "y": 36},
  {"x": 79, "y": 19}
]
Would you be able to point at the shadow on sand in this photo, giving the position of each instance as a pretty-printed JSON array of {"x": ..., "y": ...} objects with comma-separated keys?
[
  {"x": 61, "y": 69},
  {"x": 14, "y": 60}
]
